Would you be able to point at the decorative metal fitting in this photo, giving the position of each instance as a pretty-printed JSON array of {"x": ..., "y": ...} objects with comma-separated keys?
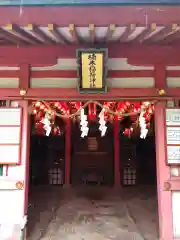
[
  {"x": 161, "y": 91},
  {"x": 71, "y": 27},
  {"x": 20, "y": 185},
  {"x": 91, "y": 27},
  {"x": 167, "y": 186},
  {"x": 22, "y": 92},
  {"x": 112, "y": 27}
]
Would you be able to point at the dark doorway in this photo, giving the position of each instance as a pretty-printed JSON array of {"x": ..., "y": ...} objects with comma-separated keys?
[{"x": 92, "y": 158}]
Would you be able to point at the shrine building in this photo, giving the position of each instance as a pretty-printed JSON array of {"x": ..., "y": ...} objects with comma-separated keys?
[{"x": 90, "y": 98}]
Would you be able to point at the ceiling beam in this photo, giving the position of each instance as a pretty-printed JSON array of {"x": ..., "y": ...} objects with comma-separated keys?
[
  {"x": 25, "y": 34},
  {"x": 73, "y": 32},
  {"x": 57, "y": 34},
  {"x": 163, "y": 33},
  {"x": 128, "y": 31},
  {"x": 14, "y": 30},
  {"x": 40, "y": 34},
  {"x": 10, "y": 37},
  {"x": 145, "y": 33},
  {"x": 173, "y": 38},
  {"x": 6, "y": 43},
  {"x": 160, "y": 75},
  {"x": 111, "y": 30},
  {"x": 92, "y": 32},
  {"x": 24, "y": 76},
  {"x": 8, "y": 40}
]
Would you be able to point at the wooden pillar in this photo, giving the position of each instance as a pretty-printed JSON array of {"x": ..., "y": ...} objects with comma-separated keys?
[
  {"x": 160, "y": 76},
  {"x": 25, "y": 149},
  {"x": 163, "y": 175},
  {"x": 67, "y": 152},
  {"x": 116, "y": 153},
  {"x": 24, "y": 84},
  {"x": 24, "y": 76}
]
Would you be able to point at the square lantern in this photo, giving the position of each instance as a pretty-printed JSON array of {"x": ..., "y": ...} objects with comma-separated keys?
[{"x": 92, "y": 70}]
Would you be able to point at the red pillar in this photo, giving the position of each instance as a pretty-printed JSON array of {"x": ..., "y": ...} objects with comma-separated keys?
[
  {"x": 68, "y": 153},
  {"x": 163, "y": 175},
  {"x": 25, "y": 143},
  {"x": 160, "y": 76},
  {"x": 24, "y": 76},
  {"x": 24, "y": 83},
  {"x": 116, "y": 154}
]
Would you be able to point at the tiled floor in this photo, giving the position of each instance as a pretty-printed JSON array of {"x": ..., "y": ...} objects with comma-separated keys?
[{"x": 93, "y": 213}]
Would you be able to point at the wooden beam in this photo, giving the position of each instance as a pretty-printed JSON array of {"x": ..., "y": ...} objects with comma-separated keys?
[
  {"x": 145, "y": 33},
  {"x": 128, "y": 31},
  {"x": 73, "y": 32},
  {"x": 4, "y": 42},
  {"x": 24, "y": 76},
  {"x": 73, "y": 94},
  {"x": 160, "y": 76},
  {"x": 173, "y": 73},
  {"x": 48, "y": 55},
  {"x": 57, "y": 34},
  {"x": 9, "y": 74},
  {"x": 8, "y": 40},
  {"x": 25, "y": 34},
  {"x": 12, "y": 30},
  {"x": 111, "y": 30},
  {"x": 172, "y": 39},
  {"x": 73, "y": 74},
  {"x": 40, "y": 34},
  {"x": 92, "y": 32},
  {"x": 12, "y": 38},
  {"x": 163, "y": 33}
]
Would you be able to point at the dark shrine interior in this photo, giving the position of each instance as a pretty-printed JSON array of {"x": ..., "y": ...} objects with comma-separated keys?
[{"x": 92, "y": 157}]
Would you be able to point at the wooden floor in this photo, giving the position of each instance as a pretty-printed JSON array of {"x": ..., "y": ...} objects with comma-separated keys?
[{"x": 93, "y": 213}]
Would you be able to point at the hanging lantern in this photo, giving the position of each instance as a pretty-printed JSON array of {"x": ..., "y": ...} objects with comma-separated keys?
[
  {"x": 56, "y": 104},
  {"x": 42, "y": 107},
  {"x": 34, "y": 111},
  {"x": 146, "y": 104},
  {"x": 127, "y": 132},
  {"x": 37, "y": 104},
  {"x": 127, "y": 104}
]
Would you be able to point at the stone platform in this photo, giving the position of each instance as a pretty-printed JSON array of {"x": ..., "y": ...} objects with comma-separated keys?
[{"x": 98, "y": 213}]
